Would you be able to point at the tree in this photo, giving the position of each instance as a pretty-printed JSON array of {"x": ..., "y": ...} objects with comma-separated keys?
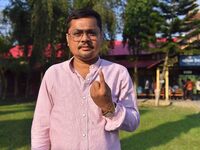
[
  {"x": 141, "y": 22},
  {"x": 5, "y": 44},
  {"x": 41, "y": 19},
  {"x": 191, "y": 28},
  {"x": 176, "y": 14},
  {"x": 48, "y": 27},
  {"x": 18, "y": 13}
]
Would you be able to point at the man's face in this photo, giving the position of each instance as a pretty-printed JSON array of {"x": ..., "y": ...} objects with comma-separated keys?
[{"x": 84, "y": 39}]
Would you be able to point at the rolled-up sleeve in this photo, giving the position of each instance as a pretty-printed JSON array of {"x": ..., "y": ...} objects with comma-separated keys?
[
  {"x": 41, "y": 120},
  {"x": 126, "y": 116}
]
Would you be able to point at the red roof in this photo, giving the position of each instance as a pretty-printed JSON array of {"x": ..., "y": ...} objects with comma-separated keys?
[
  {"x": 119, "y": 49},
  {"x": 140, "y": 64},
  {"x": 18, "y": 51}
]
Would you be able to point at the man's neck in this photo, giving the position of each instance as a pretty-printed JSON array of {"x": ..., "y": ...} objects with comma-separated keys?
[{"x": 83, "y": 66}]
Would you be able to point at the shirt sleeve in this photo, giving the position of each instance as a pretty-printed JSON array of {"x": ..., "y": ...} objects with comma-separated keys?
[
  {"x": 126, "y": 116},
  {"x": 40, "y": 125}
]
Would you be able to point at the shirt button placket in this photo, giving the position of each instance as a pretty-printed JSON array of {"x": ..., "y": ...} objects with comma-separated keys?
[
  {"x": 83, "y": 100},
  {"x": 84, "y": 115},
  {"x": 87, "y": 81},
  {"x": 84, "y": 119},
  {"x": 85, "y": 112}
]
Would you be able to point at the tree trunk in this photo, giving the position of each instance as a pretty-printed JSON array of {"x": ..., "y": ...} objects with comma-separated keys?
[
  {"x": 1, "y": 84},
  {"x": 162, "y": 76},
  {"x": 136, "y": 74},
  {"x": 27, "y": 86},
  {"x": 4, "y": 86},
  {"x": 53, "y": 53},
  {"x": 16, "y": 85}
]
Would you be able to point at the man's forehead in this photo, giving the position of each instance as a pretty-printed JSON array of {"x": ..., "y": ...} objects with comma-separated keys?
[{"x": 84, "y": 23}]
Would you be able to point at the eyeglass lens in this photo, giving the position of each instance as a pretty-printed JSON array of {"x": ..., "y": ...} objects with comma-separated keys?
[{"x": 78, "y": 34}]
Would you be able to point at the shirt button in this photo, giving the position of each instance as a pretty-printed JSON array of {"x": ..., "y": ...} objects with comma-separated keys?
[
  {"x": 88, "y": 79},
  {"x": 84, "y": 135},
  {"x": 84, "y": 97},
  {"x": 92, "y": 66},
  {"x": 84, "y": 115}
]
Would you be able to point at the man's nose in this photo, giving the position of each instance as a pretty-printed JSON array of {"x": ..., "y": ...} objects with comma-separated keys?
[{"x": 85, "y": 37}]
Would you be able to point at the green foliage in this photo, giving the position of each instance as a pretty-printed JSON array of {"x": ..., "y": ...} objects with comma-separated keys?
[
  {"x": 5, "y": 44},
  {"x": 141, "y": 22},
  {"x": 178, "y": 22},
  {"x": 48, "y": 26},
  {"x": 19, "y": 65},
  {"x": 18, "y": 14},
  {"x": 41, "y": 18}
]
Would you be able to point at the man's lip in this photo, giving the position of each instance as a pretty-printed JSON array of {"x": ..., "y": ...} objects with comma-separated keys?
[{"x": 85, "y": 47}]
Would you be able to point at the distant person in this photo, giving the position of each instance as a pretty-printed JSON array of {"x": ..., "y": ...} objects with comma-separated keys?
[
  {"x": 84, "y": 102},
  {"x": 174, "y": 89},
  {"x": 189, "y": 89},
  {"x": 147, "y": 88}
]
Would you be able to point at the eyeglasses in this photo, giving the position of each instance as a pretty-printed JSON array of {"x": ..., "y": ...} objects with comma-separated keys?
[{"x": 78, "y": 34}]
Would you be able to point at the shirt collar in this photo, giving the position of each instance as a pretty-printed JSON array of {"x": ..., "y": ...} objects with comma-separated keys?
[{"x": 94, "y": 66}]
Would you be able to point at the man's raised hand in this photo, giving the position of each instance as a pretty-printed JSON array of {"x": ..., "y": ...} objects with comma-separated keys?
[{"x": 101, "y": 93}]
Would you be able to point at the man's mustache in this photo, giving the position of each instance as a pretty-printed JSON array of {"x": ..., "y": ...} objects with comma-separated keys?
[{"x": 86, "y": 44}]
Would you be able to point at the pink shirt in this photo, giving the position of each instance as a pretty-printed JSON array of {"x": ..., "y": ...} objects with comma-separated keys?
[{"x": 66, "y": 118}]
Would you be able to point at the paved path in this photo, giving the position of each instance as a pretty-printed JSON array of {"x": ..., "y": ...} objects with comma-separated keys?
[
  {"x": 184, "y": 103},
  {"x": 187, "y": 103}
]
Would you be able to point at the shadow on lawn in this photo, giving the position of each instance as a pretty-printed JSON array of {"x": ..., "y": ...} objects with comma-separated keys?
[
  {"x": 17, "y": 109},
  {"x": 30, "y": 108},
  {"x": 15, "y": 134},
  {"x": 143, "y": 111},
  {"x": 160, "y": 134}
]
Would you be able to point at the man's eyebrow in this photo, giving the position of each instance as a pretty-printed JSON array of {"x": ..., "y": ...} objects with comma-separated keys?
[{"x": 92, "y": 29}]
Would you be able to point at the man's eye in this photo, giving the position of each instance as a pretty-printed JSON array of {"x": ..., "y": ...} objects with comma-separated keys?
[
  {"x": 92, "y": 33},
  {"x": 77, "y": 34}
]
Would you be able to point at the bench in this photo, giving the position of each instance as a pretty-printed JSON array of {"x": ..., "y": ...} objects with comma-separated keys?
[{"x": 177, "y": 95}]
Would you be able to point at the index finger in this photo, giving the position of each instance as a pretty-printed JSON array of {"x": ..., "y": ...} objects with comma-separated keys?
[{"x": 101, "y": 77}]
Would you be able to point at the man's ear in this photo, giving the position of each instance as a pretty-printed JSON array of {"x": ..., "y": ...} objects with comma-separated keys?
[{"x": 67, "y": 39}]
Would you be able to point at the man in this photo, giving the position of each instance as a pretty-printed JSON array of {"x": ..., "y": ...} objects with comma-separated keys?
[
  {"x": 147, "y": 88},
  {"x": 85, "y": 101},
  {"x": 189, "y": 89}
]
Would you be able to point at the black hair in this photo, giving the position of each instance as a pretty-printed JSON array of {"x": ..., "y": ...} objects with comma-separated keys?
[{"x": 83, "y": 13}]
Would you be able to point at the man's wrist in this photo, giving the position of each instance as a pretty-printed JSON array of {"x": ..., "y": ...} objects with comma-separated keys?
[{"x": 109, "y": 110}]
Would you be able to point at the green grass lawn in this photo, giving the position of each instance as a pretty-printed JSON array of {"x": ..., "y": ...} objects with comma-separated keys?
[
  {"x": 15, "y": 126},
  {"x": 166, "y": 128}
]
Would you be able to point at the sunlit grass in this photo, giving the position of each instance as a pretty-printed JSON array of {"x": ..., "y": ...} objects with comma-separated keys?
[
  {"x": 166, "y": 128},
  {"x": 15, "y": 124},
  {"x": 169, "y": 128}
]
